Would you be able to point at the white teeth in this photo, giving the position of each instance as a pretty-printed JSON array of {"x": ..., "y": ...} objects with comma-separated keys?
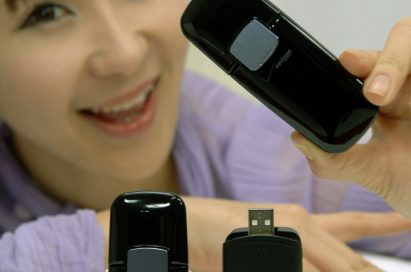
[{"x": 136, "y": 101}]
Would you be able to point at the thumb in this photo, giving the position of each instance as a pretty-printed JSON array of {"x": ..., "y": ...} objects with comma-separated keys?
[
  {"x": 353, "y": 165},
  {"x": 392, "y": 67}
]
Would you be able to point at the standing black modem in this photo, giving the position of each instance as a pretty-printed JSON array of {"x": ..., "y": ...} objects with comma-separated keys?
[{"x": 148, "y": 233}]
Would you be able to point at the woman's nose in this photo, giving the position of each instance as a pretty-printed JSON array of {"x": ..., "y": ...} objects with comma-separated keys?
[{"x": 118, "y": 52}]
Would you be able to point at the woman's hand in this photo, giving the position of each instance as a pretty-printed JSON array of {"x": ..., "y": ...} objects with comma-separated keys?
[
  {"x": 103, "y": 218},
  {"x": 323, "y": 236},
  {"x": 383, "y": 165}
]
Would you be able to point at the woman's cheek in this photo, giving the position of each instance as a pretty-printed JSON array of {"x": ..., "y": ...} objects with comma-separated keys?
[{"x": 36, "y": 85}]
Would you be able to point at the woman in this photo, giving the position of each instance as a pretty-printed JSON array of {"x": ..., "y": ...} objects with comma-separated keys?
[{"x": 91, "y": 104}]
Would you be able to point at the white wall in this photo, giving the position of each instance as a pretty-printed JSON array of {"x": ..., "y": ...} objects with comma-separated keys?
[{"x": 337, "y": 24}]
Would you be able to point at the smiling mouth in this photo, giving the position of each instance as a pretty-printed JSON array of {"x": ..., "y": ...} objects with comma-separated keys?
[
  {"x": 125, "y": 116},
  {"x": 124, "y": 112}
]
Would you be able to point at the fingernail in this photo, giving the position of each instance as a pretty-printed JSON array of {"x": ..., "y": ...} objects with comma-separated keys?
[
  {"x": 306, "y": 151},
  {"x": 380, "y": 85},
  {"x": 356, "y": 51}
]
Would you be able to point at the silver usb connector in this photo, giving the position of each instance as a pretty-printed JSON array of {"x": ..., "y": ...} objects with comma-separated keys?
[{"x": 260, "y": 221}]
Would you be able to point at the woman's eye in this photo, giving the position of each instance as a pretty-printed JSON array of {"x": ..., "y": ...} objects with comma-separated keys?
[{"x": 45, "y": 13}]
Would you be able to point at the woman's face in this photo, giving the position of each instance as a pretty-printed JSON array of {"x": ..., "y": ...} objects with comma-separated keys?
[{"x": 93, "y": 83}]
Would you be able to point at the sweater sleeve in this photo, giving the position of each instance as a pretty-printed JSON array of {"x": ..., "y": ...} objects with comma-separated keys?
[{"x": 55, "y": 243}]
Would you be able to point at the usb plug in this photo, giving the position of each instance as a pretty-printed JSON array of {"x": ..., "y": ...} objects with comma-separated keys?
[
  {"x": 260, "y": 221},
  {"x": 261, "y": 247}
]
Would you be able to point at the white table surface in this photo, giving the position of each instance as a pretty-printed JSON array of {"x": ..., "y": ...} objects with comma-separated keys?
[{"x": 388, "y": 264}]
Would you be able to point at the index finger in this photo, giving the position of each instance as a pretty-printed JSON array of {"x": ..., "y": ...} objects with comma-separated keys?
[
  {"x": 392, "y": 67},
  {"x": 350, "y": 226}
]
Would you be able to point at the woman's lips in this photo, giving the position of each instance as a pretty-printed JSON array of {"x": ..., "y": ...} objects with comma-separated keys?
[{"x": 127, "y": 117}]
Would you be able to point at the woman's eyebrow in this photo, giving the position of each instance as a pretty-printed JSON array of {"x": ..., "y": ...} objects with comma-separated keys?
[{"x": 12, "y": 4}]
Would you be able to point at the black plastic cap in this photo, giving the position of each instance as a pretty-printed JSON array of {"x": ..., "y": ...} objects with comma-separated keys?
[{"x": 141, "y": 220}]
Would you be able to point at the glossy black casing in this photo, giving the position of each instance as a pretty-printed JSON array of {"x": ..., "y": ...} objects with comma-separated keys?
[
  {"x": 280, "y": 252},
  {"x": 148, "y": 220},
  {"x": 284, "y": 67}
]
